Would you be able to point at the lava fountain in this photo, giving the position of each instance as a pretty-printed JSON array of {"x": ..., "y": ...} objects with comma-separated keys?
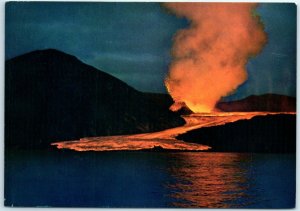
[{"x": 210, "y": 57}]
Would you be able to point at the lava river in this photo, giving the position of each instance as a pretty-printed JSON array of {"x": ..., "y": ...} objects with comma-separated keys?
[{"x": 164, "y": 139}]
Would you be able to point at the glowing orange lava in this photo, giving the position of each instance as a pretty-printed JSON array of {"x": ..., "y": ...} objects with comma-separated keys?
[
  {"x": 165, "y": 139},
  {"x": 210, "y": 57}
]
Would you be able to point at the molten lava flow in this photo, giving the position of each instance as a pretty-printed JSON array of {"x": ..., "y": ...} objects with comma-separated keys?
[
  {"x": 209, "y": 58},
  {"x": 165, "y": 139}
]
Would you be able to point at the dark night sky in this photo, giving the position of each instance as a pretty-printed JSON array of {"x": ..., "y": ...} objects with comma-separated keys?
[{"x": 132, "y": 41}]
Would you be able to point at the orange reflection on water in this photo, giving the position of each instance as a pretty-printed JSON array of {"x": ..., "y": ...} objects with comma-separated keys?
[{"x": 209, "y": 180}]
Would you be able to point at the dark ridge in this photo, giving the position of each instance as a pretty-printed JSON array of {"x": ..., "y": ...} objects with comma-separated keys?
[
  {"x": 166, "y": 101},
  {"x": 266, "y": 102},
  {"x": 261, "y": 134},
  {"x": 162, "y": 100},
  {"x": 161, "y": 149},
  {"x": 52, "y": 96}
]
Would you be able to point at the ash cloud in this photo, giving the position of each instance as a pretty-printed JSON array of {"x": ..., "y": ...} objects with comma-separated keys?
[{"x": 210, "y": 57}]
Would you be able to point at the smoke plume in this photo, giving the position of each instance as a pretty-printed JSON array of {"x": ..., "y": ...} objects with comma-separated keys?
[{"x": 210, "y": 57}]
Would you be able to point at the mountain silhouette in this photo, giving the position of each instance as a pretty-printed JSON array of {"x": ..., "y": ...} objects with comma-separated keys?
[
  {"x": 51, "y": 96},
  {"x": 266, "y": 102}
]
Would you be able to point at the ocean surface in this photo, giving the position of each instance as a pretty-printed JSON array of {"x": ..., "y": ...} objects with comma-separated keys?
[{"x": 58, "y": 178}]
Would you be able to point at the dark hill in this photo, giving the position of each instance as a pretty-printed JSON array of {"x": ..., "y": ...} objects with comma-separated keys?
[
  {"x": 166, "y": 101},
  {"x": 262, "y": 134},
  {"x": 50, "y": 96},
  {"x": 266, "y": 102}
]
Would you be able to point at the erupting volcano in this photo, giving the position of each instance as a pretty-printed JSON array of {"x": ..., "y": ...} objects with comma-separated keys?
[
  {"x": 150, "y": 105},
  {"x": 209, "y": 62},
  {"x": 210, "y": 57}
]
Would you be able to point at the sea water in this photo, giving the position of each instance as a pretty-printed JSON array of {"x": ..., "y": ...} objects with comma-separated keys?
[{"x": 58, "y": 178}]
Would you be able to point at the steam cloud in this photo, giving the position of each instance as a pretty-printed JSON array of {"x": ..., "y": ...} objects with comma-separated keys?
[{"x": 210, "y": 57}]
